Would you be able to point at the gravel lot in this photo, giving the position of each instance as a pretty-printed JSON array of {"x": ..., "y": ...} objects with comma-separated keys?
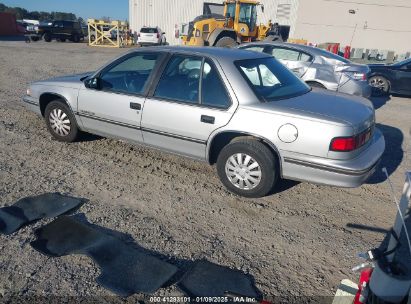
[{"x": 296, "y": 242}]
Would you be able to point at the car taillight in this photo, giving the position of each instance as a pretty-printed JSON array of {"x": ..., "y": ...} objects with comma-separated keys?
[
  {"x": 357, "y": 76},
  {"x": 347, "y": 144},
  {"x": 343, "y": 144}
]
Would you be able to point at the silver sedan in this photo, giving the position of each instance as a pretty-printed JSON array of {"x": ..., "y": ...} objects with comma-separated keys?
[
  {"x": 318, "y": 68},
  {"x": 243, "y": 111}
]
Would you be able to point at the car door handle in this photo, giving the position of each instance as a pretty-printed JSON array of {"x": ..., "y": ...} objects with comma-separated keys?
[
  {"x": 207, "y": 119},
  {"x": 135, "y": 106}
]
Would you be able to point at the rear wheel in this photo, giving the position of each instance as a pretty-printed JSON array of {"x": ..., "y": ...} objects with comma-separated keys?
[
  {"x": 47, "y": 37},
  {"x": 380, "y": 85},
  {"x": 226, "y": 42},
  {"x": 92, "y": 38},
  {"x": 247, "y": 168},
  {"x": 60, "y": 121}
]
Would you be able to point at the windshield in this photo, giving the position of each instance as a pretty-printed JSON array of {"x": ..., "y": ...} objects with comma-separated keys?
[
  {"x": 271, "y": 80},
  {"x": 400, "y": 63},
  {"x": 148, "y": 30}
]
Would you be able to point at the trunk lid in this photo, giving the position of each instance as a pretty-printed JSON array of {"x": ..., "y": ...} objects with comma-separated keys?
[{"x": 335, "y": 107}]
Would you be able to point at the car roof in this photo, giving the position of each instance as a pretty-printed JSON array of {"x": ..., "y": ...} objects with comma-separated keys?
[
  {"x": 314, "y": 51},
  {"x": 226, "y": 54}
]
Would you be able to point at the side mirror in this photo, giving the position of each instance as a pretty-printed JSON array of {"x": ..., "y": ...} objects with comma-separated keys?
[
  {"x": 262, "y": 8},
  {"x": 164, "y": 33},
  {"x": 92, "y": 83}
]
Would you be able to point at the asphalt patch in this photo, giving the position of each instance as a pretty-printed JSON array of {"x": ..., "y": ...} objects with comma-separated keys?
[
  {"x": 125, "y": 270},
  {"x": 206, "y": 279},
  {"x": 30, "y": 209}
]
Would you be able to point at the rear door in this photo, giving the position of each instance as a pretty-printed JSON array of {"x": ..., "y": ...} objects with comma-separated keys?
[
  {"x": 295, "y": 60},
  {"x": 115, "y": 108},
  {"x": 189, "y": 102}
]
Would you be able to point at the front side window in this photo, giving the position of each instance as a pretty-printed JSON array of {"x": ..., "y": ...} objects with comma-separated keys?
[
  {"x": 130, "y": 75},
  {"x": 271, "y": 80},
  {"x": 181, "y": 79}
]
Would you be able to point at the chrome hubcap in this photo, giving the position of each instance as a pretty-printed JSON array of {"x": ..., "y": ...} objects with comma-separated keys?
[
  {"x": 60, "y": 122},
  {"x": 243, "y": 171},
  {"x": 378, "y": 83}
]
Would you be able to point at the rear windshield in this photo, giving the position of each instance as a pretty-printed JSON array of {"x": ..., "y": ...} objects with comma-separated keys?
[
  {"x": 271, "y": 80},
  {"x": 149, "y": 30}
]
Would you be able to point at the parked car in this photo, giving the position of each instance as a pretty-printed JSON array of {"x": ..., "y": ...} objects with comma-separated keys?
[
  {"x": 243, "y": 111},
  {"x": 391, "y": 78},
  {"x": 318, "y": 68},
  {"x": 61, "y": 30},
  {"x": 151, "y": 36}
]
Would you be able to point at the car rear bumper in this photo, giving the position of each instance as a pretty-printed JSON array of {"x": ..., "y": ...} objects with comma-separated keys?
[
  {"x": 342, "y": 173},
  {"x": 354, "y": 87},
  {"x": 32, "y": 104}
]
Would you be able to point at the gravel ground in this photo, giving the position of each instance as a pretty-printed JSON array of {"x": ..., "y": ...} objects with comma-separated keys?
[{"x": 295, "y": 242}]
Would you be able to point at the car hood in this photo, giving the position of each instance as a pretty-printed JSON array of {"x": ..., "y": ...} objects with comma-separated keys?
[
  {"x": 328, "y": 106},
  {"x": 69, "y": 81}
]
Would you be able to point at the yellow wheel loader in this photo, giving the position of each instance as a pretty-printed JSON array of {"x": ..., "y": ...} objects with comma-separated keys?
[{"x": 237, "y": 25}]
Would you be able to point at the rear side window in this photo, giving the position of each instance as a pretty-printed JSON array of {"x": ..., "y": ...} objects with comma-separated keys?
[
  {"x": 181, "y": 79},
  {"x": 149, "y": 30},
  {"x": 130, "y": 75},
  {"x": 213, "y": 91}
]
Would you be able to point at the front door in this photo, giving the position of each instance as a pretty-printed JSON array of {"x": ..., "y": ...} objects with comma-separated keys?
[
  {"x": 115, "y": 108},
  {"x": 188, "y": 104}
]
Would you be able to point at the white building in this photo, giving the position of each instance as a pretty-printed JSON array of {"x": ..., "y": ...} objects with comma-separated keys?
[{"x": 372, "y": 24}]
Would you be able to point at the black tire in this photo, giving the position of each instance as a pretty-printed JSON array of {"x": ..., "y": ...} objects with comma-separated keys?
[
  {"x": 226, "y": 42},
  {"x": 259, "y": 153},
  {"x": 58, "y": 106},
  {"x": 318, "y": 85},
  {"x": 92, "y": 38},
  {"x": 380, "y": 85},
  {"x": 274, "y": 38},
  {"x": 76, "y": 38},
  {"x": 47, "y": 37}
]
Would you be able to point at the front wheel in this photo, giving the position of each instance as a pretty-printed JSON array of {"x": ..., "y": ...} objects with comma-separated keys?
[
  {"x": 226, "y": 42},
  {"x": 61, "y": 122},
  {"x": 247, "y": 168}
]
